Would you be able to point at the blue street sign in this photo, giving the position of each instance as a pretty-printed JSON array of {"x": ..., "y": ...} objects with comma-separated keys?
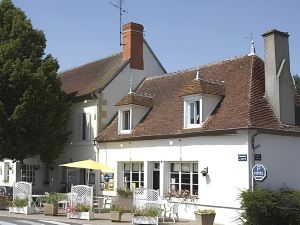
[{"x": 259, "y": 172}]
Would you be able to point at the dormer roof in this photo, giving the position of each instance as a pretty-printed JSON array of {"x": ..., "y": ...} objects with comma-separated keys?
[
  {"x": 201, "y": 86},
  {"x": 136, "y": 99}
]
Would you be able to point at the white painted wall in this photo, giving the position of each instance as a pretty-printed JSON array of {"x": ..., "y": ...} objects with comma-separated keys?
[
  {"x": 227, "y": 176},
  {"x": 209, "y": 103},
  {"x": 119, "y": 87},
  {"x": 280, "y": 156}
]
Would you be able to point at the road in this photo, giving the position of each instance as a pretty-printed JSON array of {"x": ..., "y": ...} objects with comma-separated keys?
[{"x": 20, "y": 221}]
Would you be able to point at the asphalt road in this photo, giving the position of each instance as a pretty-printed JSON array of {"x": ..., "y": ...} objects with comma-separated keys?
[{"x": 20, "y": 221}]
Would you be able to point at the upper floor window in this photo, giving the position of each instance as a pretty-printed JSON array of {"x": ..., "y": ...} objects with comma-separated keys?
[
  {"x": 125, "y": 120},
  {"x": 84, "y": 131},
  {"x": 193, "y": 112}
]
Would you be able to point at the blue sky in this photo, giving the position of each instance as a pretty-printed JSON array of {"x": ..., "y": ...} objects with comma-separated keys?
[{"x": 183, "y": 34}]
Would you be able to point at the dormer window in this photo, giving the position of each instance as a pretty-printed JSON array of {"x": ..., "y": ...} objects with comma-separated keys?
[
  {"x": 125, "y": 120},
  {"x": 192, "y": 111}
]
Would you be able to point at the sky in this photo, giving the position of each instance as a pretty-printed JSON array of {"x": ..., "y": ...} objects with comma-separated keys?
[{"x": 183, "y": 34}]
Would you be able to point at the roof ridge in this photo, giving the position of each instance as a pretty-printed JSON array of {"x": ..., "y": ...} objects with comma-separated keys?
[
  {"x": 179, "y": 72},
  {"x": 88, "y": 63}
]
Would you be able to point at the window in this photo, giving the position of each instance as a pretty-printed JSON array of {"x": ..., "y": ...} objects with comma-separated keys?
[
  {"x": 184, "y": 176},
  {"x": 84, "y": 131},
  {"x": 193, "y": 112},
  {"x": 133, "y": 174},
  {"x": 28, "y": 173},
  {"x": 124, "y": 121}
]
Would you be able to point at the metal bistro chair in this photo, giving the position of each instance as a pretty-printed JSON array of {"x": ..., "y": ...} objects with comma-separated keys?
[
  {"x": 106, "y": 203},
  {"x": 170, "y": 210}
]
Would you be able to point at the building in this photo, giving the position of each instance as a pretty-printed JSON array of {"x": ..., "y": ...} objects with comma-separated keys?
[
  {"x": 204, "y": 129},
  {"x": 94, "y": 88}
]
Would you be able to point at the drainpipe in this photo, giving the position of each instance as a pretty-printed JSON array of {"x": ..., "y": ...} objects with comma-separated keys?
[{"x": 252, "y": 147}]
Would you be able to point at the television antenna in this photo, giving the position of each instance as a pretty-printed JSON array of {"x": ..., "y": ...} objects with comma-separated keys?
[{"x": 118, "y": 5}]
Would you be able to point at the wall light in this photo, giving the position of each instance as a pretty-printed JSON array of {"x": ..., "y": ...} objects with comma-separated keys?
[
  {"x": 204, "y": 171},
  {"x": 171, "y": 142}
]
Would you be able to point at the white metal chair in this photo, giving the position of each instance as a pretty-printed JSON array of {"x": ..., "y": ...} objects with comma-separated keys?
[
  {"x": 106, "y": 203},
  {"x": 170, "y": 210}
]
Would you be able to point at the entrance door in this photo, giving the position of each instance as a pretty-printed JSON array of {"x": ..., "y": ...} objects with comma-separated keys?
[{"x": 155, "y": 180}]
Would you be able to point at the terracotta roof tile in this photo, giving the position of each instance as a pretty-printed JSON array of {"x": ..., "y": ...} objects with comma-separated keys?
[
  {"x": 90, "y": 77},
  {"x": 136, "y": 99},
  {"x": 243, "y": 104}
]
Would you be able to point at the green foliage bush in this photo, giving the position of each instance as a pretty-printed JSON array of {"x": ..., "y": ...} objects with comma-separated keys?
[
  {"x": 148, "y": 212},
  {"x": 53, "y": 198},
  {"x": 20, "y": 202},
  {"x": 124, "y": 192},
  {"x": 266, "y": 207}
]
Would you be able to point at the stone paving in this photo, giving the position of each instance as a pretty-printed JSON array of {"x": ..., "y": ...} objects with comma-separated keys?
[{"x": 101, "y": 218}]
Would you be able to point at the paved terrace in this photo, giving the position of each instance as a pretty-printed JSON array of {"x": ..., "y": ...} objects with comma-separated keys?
[{"x": 101, "y": 218}]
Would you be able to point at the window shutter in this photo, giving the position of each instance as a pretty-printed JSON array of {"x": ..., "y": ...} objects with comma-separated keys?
[
  {"x": 88, "y": 126},
  {"x": 79, "y": 127}
]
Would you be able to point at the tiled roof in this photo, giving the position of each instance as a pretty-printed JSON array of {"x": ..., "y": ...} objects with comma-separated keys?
[
  {"x": 136, "y": 99},
  {"x": 84, "y": 80},
  {"x": 204, "y": 86},
  {"x": 243, "y": 105}
]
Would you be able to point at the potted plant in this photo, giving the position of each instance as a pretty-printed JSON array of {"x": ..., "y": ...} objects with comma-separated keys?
[
  {"x": 115, "y": 213},
  {"x": 205, "y": 216},
  {"x": 124, "y": 198},
  {"x": 148, "y": 215},
  {"x": 80, "y": 211},
  {"x": 51, "y": 203},
  {"x": 20, "y": 205}
]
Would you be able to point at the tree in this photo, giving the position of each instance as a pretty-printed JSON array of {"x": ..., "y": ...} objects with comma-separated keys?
[
  {"x": 297, "y": 83},
  {"x": 33, "y": 109}
]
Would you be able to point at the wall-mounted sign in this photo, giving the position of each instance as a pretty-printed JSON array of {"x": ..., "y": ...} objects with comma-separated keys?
[
  {"x": 259, "y": 172},
  {"x": 258, "y": 157},
  {"x": 242, "y": 157}
]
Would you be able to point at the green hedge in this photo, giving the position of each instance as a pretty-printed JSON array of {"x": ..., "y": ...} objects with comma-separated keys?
[{"x": 265, "y": 207}]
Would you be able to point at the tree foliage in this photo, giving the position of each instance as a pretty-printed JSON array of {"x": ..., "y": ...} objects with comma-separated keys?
[
  {"x": 297, "y": 83},
  {"x": 33, "y": 109}
]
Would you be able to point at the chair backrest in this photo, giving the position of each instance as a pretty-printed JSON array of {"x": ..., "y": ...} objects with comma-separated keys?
[
  {"x": 143, "y": 198},
  {"x": 82, "y": 194},
  {"x": 22, "y": 190}
]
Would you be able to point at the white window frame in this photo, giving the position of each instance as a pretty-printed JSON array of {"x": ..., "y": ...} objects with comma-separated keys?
[
  {"x": 121, "y": 119},
  {"x": 28, "y": 173},
  {"x": 180, "y": 173},
  {"x": 140, "y": 172},
  {"x": 187, "y": 101}
]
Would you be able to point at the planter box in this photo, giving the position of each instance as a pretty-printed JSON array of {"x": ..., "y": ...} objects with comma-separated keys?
[
  {"x": 144, "y": 220},
  {"x": 23, "y": 210},
  {"x": 50, "y": 209},
  {"x": 126, "y": 203},
  {"x": 3, "y": 204},
  {"x": 115, "y": 216},
  {"x": 205, "y": 219},
  {"x": 81, "y": 215}
]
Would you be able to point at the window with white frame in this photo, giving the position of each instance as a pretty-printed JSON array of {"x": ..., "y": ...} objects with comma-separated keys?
[
  {"x": 84, "y": 131},
  {"x": 28, "y": 173},
  {"x": 193, "y": 111},
  {"x": 133, "y": 175},
  {"x": 184, "y": 176},
  {"x": 124, "y": 120}
]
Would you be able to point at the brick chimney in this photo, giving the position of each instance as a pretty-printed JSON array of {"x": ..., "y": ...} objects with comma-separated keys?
[
  {"x": 133, "y": 45},
  {"x": 278, "y": 80}
]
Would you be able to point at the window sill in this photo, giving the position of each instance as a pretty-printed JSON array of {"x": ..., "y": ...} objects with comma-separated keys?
[
  {"x": 125, "y": 132},
  {"x": 193, "y": 126}
]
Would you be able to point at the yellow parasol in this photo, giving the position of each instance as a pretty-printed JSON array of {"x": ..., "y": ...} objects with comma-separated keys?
[{"x": 89, "y": 164}]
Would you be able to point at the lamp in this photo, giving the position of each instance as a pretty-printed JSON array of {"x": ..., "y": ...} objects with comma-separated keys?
[
  {"x": 204, "y": 171},
  {"x": 171, "y": 142}
]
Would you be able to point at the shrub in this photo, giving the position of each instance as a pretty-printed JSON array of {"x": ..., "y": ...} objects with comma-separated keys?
[
  {"x": 148, "y": 212},
  {"x": 117, "y": 208},
  {"x": 263, "y": 207},
  {"x": 20, "y": 202},
  {"x": 205, "y": 211},
  {"x": 82, "y": 208},
  {"x": 53, "y": 198},
  {"x": 124, "y": 192}
]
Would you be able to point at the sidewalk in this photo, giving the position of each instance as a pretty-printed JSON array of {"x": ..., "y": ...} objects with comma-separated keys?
[{"x": 100, "y": 218}]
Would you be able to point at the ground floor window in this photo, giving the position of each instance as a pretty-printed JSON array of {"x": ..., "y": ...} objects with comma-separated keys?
[
  {"x": 28, "y": 173},
  {"x": 133, "y": 174},
  {"x": 184, "y": 176}
]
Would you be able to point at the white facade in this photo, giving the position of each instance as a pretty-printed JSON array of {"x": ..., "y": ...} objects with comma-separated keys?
[
  {"x": 77, "y": 149},
  {"x": 220, "y": 188}
]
